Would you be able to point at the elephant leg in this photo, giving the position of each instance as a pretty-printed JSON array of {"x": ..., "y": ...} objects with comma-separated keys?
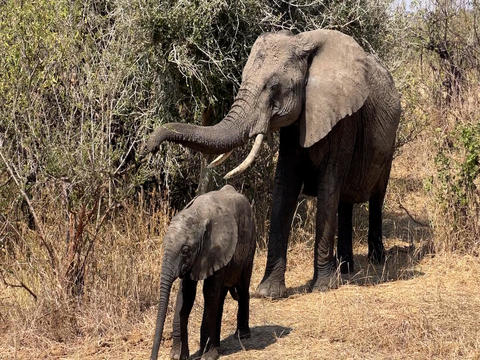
[
  {"x": 331, "y": 175},
  {"x": 324, "y": 263},
  {"x": 213, "y": 294},
  {"x": 376, "y": 252},
  {"x": 286, "y": 189},
  {"x": 344, "y": 242},
  {"x": 243, "y": 328},
  {"x": 219, "y": 317},
  {"x": 185, "y": 299}
]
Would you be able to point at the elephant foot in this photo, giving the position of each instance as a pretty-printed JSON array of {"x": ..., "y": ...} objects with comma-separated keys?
[
  {"x": 177, "y": 353},
  {"x": 211, "y": 354},
  {"x": 325, "y": 283},
  {"x": 242, "y": 333},
  {"x": 273, "y": 289}
]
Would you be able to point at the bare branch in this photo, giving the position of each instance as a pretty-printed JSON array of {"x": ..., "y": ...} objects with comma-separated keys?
[
  {"x": 21, "y": 285},
  {"x": 410, "y": 216},
  {"x": 14, "y": 174}
]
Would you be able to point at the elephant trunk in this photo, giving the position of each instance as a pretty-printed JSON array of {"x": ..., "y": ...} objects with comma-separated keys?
[
  {"x": 167, "y": 279},
  {"x": 233, "y": 131}
]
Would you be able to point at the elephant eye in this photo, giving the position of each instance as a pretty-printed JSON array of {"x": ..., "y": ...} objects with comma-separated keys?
[
  {"x": 275, "y": 88},
  {"x": 185, "y": 250}
]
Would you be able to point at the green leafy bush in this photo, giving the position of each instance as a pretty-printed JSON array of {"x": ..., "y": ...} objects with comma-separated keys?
[{"x": 458, "y": 179}]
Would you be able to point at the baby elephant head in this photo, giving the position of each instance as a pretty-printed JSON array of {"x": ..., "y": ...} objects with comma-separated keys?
[{"x": 196, "y": 246}]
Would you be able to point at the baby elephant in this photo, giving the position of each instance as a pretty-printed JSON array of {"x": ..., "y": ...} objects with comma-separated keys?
[{"x": 212, "y": 239}]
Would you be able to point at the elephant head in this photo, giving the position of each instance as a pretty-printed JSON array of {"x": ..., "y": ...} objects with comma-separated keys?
[
  {"x": 314, "y": 78},
  {"x": 200, "y": 240}
]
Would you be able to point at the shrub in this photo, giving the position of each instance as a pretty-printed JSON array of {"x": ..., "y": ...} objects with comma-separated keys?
[{"x": 457, "y": 181}]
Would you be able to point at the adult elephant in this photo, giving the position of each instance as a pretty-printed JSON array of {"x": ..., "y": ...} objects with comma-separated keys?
[{"x": 337, "y": 110}]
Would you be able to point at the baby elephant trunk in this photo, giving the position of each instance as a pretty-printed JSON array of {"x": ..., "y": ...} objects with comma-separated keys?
[{"x": 166, "y": 282}]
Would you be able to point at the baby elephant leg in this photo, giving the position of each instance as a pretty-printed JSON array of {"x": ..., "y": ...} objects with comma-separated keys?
[
  {"x": 214, "y": 295},
  {"x": 185, "y": 299},
  {"x": 243, "y": 328}
]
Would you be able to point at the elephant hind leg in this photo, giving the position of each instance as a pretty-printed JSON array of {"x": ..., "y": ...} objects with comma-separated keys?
[
  {"x": 376, "y": 251},
  {"x": 243, "y": 328},
  {"x": 344, "y": 242}
]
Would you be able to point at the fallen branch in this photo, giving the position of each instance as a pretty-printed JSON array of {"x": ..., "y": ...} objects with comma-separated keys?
[{"x": 410, "y": 216}]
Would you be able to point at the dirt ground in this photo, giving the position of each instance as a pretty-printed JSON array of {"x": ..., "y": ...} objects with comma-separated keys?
[{"x": 416, "y": 306}]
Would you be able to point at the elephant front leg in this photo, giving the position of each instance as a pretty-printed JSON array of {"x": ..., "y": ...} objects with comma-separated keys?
[
  {"x": 344, "y": 243},
  {"x": 214, "y": 295},
  {"x": 285, "y": 193},
  {"x": 183, "y": 307}
]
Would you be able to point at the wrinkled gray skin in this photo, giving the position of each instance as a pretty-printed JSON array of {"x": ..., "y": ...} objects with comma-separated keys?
[
  {"x": 337, "y": 110},
  {"x": 212, "y": 239}
]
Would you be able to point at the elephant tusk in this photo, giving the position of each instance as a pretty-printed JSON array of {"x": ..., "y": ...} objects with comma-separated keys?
[
  {"x": 249, "y": 159},
  {"x": 219, "y": 159}
]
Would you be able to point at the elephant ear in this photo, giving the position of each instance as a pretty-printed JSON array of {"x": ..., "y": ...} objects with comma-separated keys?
[
  {"x": 337, "y": 82},
  {"x": 217, "y": 246}
]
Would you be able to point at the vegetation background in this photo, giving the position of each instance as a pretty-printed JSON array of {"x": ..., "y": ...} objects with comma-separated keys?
[{"x": 84, "y": 82}]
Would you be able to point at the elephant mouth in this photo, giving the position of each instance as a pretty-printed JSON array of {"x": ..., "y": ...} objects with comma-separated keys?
[
  {"x": 245, "y": 164},
  {"x": 278, "y": 122}
]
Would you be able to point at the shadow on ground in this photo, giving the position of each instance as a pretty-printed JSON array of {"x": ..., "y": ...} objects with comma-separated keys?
[
  {"x": 399, "y": 264},
  {"x": 261, "y": 337},
  {"x": 399, "y": 225},
  {"x": 407, "y": 241}
]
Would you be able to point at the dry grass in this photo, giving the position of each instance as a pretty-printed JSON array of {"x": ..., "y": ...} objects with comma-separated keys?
[
  {"x": 430, "y": 311},
  {"x": 416, "y": 306}
]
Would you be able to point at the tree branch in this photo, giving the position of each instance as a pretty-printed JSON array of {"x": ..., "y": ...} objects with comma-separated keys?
[
  {"x": 21, "y": 285},
  {"x": 411, "y": 217},
  {"x": 14, "y": 174}
]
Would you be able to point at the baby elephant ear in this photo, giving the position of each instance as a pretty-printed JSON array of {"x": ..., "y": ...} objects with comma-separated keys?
[
  {"x": 217, "y": 246},
  {"x": 337, "y": 82}
]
